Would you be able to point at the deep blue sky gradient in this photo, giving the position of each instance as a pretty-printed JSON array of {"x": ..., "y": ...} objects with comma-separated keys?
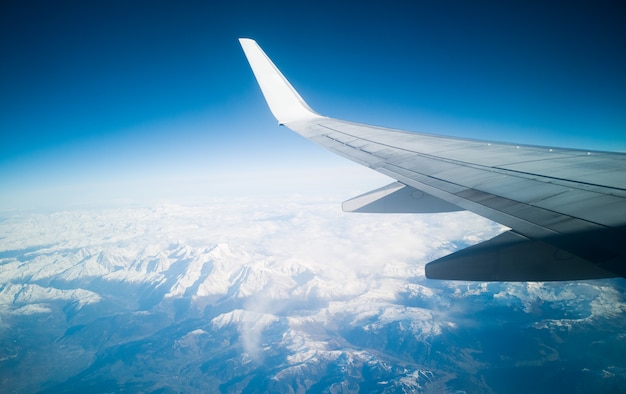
[{"x": 107, "y": 90}]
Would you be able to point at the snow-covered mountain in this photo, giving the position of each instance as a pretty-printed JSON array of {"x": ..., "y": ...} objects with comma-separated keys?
[{"x": 287, "y": 297}]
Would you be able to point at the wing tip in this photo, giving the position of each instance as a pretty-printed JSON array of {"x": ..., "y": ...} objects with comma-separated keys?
[{"x": 284, "y": 101}]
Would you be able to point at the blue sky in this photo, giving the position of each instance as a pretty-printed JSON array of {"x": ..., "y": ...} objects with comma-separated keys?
[{"x": 113, "y": 94}]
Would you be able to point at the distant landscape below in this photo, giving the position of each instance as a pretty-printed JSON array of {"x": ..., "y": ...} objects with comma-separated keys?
[{"x": 290, "y": 296}]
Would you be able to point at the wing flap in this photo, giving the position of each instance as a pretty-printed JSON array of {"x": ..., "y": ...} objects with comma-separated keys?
[
  {"x": 398, "y": 198},
  {"x": 513, "y": 257}
]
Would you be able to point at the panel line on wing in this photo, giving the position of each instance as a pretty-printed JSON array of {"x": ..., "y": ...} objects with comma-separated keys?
[
  {"x": 598, "y": 188},
  {"x": 548, "y": 219}
]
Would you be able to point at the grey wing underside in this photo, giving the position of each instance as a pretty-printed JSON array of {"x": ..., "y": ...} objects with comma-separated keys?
[{"x": 566, "y": 208}]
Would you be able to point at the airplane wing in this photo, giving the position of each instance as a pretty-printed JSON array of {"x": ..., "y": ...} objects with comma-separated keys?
[{"x": 566, "y": 208}]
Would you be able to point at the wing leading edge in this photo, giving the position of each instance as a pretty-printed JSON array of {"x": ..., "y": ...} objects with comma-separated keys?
[{"x": 566, "y": 208}]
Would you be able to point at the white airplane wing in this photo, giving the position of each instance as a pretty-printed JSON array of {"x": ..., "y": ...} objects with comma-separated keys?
[{"x": 566, "y": 208}]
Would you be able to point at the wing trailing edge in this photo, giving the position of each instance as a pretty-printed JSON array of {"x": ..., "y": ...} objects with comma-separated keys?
[{"x": 398, "y": 198}]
